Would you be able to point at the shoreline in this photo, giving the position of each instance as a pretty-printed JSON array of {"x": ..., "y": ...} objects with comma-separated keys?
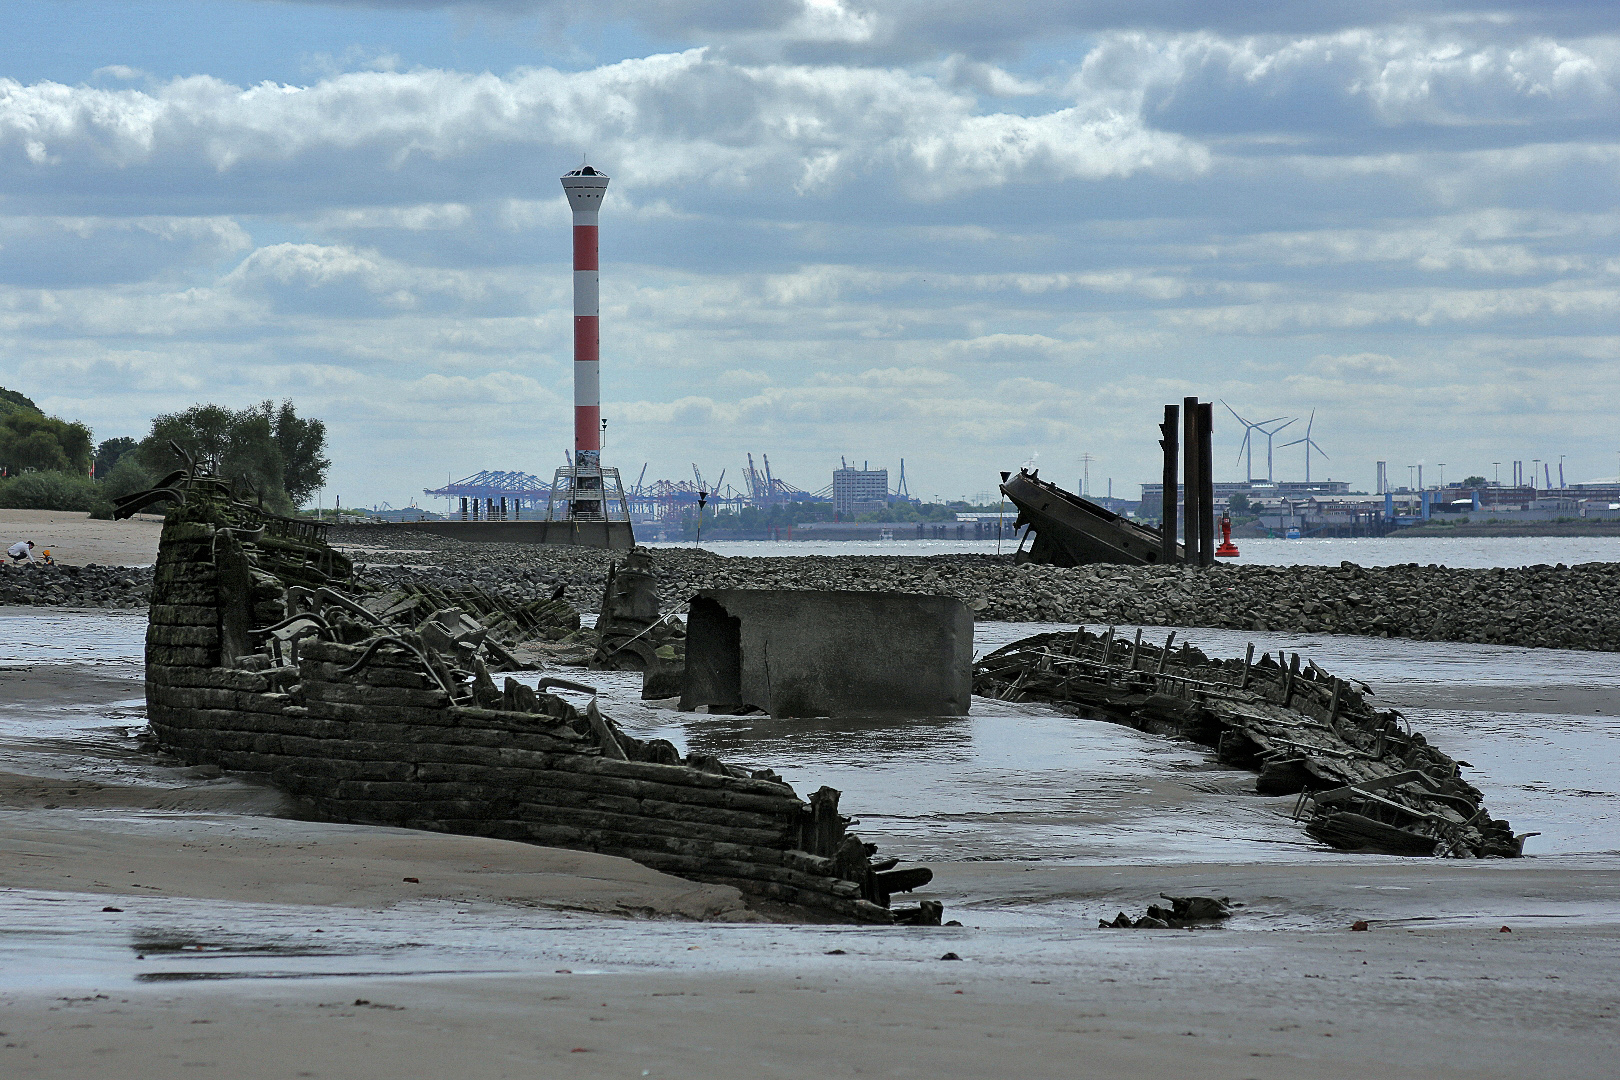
[
  {"x": 1570, "y": 607},
  {"x": 260, "y": 946},
  {"x": 1507, "y": 530}
]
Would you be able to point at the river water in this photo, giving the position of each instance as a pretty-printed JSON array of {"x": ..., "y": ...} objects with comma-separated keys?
[
  {"x": 1008, "y": 784},
  {"x": 1464, "y": 551},
  {"x": 1020, "y": 781}
]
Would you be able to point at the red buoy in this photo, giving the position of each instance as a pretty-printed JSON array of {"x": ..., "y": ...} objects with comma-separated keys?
[{"x": 1227, "y": 550}]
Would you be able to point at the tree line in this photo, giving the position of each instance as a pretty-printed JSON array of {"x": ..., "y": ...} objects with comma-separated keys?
[{"x": 270, "y": 453}]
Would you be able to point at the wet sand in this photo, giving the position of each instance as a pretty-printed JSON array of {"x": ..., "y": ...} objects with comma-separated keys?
[
  {"x": 73, "y": 537},
  {"x": 1434, "y": 1003},
  {"x": 245, "y": 938},
  {"x": 98, "y": 811}
]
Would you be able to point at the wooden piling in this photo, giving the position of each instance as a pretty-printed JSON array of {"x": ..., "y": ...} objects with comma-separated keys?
[
  {"x": 1191, "y": 489},
  {"x": 1167, "y": 527},
  {"x": 1206, "y": 484}
]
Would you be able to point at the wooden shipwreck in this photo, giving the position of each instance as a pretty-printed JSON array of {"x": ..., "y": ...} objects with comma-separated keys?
[
  {"x": 264, "y": 656},
  {"x": 1365, "y": 780},
  {"x": 1072, "y": 531}
]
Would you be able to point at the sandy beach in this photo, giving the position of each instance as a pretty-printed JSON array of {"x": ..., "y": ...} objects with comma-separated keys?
[
  {"x": 1440, "y": 1002},
  {"x": 76, "y": 538},
  {"x": 247, "y": 943}
]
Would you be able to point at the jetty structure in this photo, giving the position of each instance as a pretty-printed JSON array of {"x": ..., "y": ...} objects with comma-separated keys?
[{"x": 264, "y": 655}]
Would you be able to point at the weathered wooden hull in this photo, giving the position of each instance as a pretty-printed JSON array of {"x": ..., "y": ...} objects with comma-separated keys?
[{"x": 1365, "y": 780}]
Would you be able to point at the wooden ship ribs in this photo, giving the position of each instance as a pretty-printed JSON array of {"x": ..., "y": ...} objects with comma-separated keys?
[
  {"x": 263, "y": 656},
  {"x": 1365, "y": 780}
]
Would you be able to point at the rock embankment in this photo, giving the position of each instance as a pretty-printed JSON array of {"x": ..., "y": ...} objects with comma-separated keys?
[
  {"x": 75, "y": 586},
  {"x": 1575, "y": 607}
]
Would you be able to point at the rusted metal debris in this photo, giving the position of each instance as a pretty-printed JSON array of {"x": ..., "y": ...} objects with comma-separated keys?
[
  {"x": 1365, "y": 780},
  {"x": 1072, "y": 531},
  {"x": 794, "y": 653}
]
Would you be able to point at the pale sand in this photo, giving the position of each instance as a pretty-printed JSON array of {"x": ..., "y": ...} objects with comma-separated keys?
[
  {"x": 86, "y": 814},
  {"x": 75, "y": 538},
  {"x": 225, "y": 856},
  {"x": 1440, "y": 1003}
]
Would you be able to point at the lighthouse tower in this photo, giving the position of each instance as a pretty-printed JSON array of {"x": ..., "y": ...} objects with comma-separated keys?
[
  {"x": 584, "y": 491},
  {"x": 585, "y": 188}
]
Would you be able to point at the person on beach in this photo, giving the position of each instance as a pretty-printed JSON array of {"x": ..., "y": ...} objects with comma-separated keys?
[{"x": 21, "y": 551}]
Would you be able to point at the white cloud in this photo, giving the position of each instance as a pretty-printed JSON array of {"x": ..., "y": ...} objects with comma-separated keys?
[
  {"x": 118, "y": 71},
  {"x": 1400, "y": 74},
  {"x": 959, "y": 262},
  {"x": 419, "y": 218},
  {"x": 814, "y": 128}
]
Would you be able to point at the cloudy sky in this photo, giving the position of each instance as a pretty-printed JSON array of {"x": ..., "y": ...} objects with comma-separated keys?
[{"x": 962, "y": 233}]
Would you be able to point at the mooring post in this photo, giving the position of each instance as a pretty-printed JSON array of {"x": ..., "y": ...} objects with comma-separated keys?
[
  {"x": 1206, "y": 484},
  {"x": 1167, "y": 534},
  {"x": 1248, "y": 663},
  {"x": 1191, "y": 471}
]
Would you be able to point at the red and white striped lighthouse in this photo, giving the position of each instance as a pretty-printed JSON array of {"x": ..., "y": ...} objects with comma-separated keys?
[{"x": 585, "y": 188}]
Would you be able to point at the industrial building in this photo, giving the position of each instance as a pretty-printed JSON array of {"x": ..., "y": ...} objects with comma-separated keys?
[
  {"x": 1153, "y": 494},
  {"x": 859, "y": 491}
]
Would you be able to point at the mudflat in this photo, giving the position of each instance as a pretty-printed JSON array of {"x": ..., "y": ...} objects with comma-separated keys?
[
  {"x": 682, "y": 1000},
  {"x": 75, "y": 537},
  {"x": 244, "y": 942}
]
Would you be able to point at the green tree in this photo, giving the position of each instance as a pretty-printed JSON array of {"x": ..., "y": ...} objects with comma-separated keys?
[
  {"x": 110, "y": 452},
  {"x": 1238, "y": 503},
  {"x": 268, "y": 451},
  {"x": 11, "y": 401},
  {"x": 1474, "y": 481},
  {"x": 52, "y": 491},
  {"x": 30, "y": 441},
  {"x": 302, "y": 446},
  {"x": 125, "y": 478}
]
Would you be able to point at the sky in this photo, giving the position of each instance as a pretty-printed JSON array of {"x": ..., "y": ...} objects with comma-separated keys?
[{"x": 971, "y": 236}]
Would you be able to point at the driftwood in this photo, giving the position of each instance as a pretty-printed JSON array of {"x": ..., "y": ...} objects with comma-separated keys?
[{"x": 1365, "y": 780}]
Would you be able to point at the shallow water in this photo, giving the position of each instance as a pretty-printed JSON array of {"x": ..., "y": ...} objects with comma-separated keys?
[
  {"x": 1010, "y": 785},
  {"x": 72, "y": 637},
  {"x": 1475, "y": 552},
  {"x": 1022, "y": 781}
]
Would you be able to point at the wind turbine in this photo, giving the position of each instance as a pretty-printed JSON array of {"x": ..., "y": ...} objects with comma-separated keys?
[
  {"x": 1270, "y": 475},
  {"x": 1308, "y": 443},
  {"x": 1249, "y": 428}
]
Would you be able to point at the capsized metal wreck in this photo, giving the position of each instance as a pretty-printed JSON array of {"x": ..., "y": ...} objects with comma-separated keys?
[
  {"x": 1072, "y": 531},
  {"x": 264, "y": 655},
  {"x": 1365, "y": 780}
]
